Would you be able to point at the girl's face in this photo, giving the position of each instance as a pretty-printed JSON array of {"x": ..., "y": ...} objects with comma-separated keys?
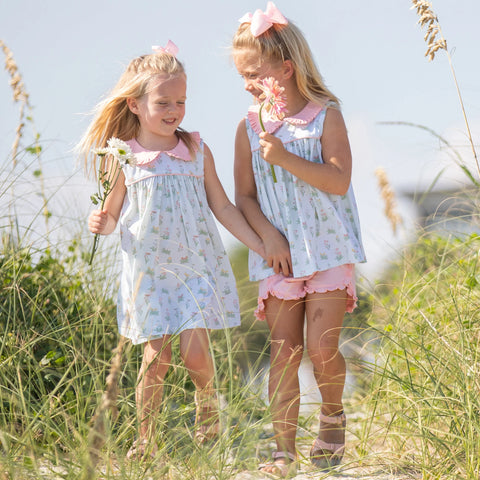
[
  {"x": 161, "y": 110},
  {"x": 252, "y": 69}
]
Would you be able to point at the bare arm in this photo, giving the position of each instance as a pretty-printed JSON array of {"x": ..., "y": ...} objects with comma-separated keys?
[
  {"x": 332, "y": 176},
  {"x": 224, "y": 210},
  {"x": 104, "y": 221},
  {"x": 276, "y": 245}
]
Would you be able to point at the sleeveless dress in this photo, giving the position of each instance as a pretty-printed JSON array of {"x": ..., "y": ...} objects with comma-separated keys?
[
  {"x": 176, "y": 274},
  {"x": 322, "y": 229}
]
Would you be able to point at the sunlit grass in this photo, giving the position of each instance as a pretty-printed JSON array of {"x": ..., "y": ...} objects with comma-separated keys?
[
  {"x": 67, "y": 403},
  {"x": 424, "y": 389}
]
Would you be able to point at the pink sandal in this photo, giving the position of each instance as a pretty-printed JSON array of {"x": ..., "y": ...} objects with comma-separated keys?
[{"x": 326, "y": 455}]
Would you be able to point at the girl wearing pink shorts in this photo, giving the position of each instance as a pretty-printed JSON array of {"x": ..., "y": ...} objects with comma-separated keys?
[{"x": 306, "y": 215}]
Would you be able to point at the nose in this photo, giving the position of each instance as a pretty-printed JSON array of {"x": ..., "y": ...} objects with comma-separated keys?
[
  {"x": 172, "y": 108},
  {"x": 249, "y": 85}
]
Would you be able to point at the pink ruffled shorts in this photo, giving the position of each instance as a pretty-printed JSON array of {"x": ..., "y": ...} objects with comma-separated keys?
[{"x": 289, "y": 288}]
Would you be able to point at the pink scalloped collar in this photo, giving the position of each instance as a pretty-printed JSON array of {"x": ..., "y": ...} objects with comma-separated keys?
[
  {"x": 180, "y": 151},
  {"x": 304, "y": 117}
]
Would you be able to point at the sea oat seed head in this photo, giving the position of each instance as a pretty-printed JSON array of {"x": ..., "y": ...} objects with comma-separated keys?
[
  {"x": 429, "y": 19},
  {"x": 386, "y": 192},
  {"x": 19, "y": 92}
]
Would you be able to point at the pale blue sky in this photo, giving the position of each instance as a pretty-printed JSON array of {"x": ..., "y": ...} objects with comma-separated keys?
[{"x": 370, "y": 53}]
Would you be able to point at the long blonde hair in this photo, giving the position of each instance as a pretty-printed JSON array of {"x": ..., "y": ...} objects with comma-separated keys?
[
  {"x": 286, "y": 42},
  {"x": 112, "y": 116}
]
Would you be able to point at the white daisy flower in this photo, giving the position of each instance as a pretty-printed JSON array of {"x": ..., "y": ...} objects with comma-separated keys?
[
  {"x": 101, "y": 152},
  {"x": 121, "y": 151}
]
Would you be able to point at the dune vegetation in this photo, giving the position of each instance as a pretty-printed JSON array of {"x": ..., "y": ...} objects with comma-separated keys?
[{"x": 67, "y": 379}]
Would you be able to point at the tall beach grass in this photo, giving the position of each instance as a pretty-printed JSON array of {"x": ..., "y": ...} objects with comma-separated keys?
[
  {"x": 67, "y": 380},
  {"x": 423, "y": 404}
]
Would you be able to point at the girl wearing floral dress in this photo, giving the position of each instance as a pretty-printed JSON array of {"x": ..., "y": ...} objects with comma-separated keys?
[
  {"x": 176, "y": 277},
  {"x": 304, "y": 211}
]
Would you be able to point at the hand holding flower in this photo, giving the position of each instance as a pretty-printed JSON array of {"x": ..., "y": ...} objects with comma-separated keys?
[
  {"x": 119, "y": 154},
  {"x": 97, "y": 221},
  {"x": 273, "y": 150},
  {"x": 273, "y": 105}
]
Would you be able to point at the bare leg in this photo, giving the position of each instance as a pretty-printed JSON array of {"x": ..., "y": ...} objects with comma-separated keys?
[
  {"x": 325, "y": 312},
  {"x": 156, "y": 361},
  {"x": 195, "y": 352},
  {"x": 285, "y": 319}
]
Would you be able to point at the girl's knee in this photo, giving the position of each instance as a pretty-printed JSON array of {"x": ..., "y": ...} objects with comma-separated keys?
[
  {"x": 282, "y": 351},
  {"x": 195, "y": 349},
  {"x": 157, "y": 351},
  {"x": 196, "y": 359},
  {"x": 323, "y": 341},
  {"x": 324, "y": 353},
  {"x": 322, "y": 356}
]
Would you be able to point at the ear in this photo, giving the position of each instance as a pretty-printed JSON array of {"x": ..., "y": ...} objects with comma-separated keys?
[
  {"x": 288, "y": 69},
  {"x": 132, "y": 105}
]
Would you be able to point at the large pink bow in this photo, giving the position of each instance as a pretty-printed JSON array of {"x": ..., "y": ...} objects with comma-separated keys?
[
  {"x": 170, "y": 48},
  {"x": 260, "y": 21}
]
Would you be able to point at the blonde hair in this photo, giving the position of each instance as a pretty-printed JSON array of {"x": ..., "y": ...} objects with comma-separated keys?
[
  {"x": 286, "y": 42},
  {"x": 112, "y": 116}
]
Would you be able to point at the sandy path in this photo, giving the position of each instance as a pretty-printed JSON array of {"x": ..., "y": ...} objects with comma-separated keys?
[{"x": 359, "y": 473}]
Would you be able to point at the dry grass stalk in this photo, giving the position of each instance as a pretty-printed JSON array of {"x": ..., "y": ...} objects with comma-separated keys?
[
  {"x": 436, "y": 41},
  {"x": 96, "y": 438},
  {"x": 19, "y": 94},
  {"x": 390, "y": 206}
]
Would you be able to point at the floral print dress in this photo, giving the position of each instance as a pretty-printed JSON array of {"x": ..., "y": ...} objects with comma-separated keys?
[
  {"x": 176, "y": 274},
  {"x": 322, "y": 229}
]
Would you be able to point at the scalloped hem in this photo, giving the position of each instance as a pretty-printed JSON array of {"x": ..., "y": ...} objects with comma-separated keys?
[{"x": 286, "y": 288}]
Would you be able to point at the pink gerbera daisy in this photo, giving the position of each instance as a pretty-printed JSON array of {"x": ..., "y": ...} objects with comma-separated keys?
[{"x": 273, "y": 99}]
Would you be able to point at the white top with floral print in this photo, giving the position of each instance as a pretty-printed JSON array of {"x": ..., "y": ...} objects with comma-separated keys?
[
  {"x": 176, "y": 274},
  {"x": 322, "y": 229}
]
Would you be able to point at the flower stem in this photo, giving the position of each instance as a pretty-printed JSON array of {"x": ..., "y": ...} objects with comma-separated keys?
[
  {"x": 108, "y": 186},
  {"x": 260, "y": 117},
  {"x": 264, "y": 130},
  {"x": 94, "y": 248}
]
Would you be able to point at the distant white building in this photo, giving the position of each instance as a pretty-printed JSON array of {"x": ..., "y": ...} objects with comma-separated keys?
[{"x": 452, "y": 210}]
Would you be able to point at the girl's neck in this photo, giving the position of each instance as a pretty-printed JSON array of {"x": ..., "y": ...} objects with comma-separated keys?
[
  {"x": 157, "y": 143},
  {"x": 295, "y": 101}
]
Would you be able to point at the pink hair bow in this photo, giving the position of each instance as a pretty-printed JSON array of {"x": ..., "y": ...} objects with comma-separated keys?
[
  {"x": 260, "y": 21},
  {"x": 170, "y": 48}
]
